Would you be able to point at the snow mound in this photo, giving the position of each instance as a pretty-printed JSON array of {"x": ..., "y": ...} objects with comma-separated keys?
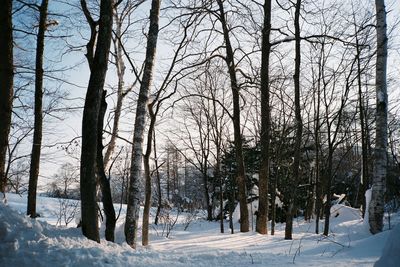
[
  {"x": 341, "y": 213},
  {"x": 251, "y": 207},
  {"x": 391, "y": 252},
  {"x": 28, "y": 242}
]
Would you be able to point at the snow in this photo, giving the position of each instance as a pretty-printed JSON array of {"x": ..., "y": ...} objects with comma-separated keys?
[
  {"x": 28, "y": 242},
  {"x": 345, "y": 213},
  {"x": 251, "y": 207},
  {"x": 368, "y": 196},
  {"x": 391, "y": 252}
]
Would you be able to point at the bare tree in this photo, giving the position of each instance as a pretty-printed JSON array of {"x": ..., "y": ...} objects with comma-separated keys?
[
  {"x": 66, "y": 177},
  {"x": 6, "y": 85},
  {"x": 230, "y": 62},
  {"x": 362, "y": 35},
  {"x": 329, "y": 129},
  {"x": 17, "y": 177},
  {"x": 262, "y": 216},
  {"x": 159, "y": 97},
  {"x": 97, "y": 54},
  {"x": 299, "y": 124},
  {"x": 38, "y": 124},
  {"x": 158, "y": 181},
  {"x": 218, "y": 124},
  {"x": 317, "y": 206},
  {"x": 121, "y": 16},
  {"x": 196, "y": 136},
  {"x": 147, "y": 175},
  {"x": 132, "y": 214},
  {"x": 102, "y": 177},
  {"x": 376, "y": 207}
]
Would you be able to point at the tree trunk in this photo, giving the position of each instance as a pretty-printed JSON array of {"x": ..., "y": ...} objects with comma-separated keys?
[
  {"x": 299, "y": 126},
  {"x": 6, "y": 85},
  {"x": 240, "y": 176},
  {"x": 132, "y": 216},
  {"x": 262, "y": 216},
  {"x": 328, "y": 185},
  {"x": 376, "y": 207},
  {"x": 175, "y": 177},
  {"x": 317, "y": 125},
  {"x": 38, "y": 124},
  {"x": 104, "y": 182},
  {"x": 159, "y": 199},
  {"x": 273, "y": 201},
  {"x": 232, "y": 207},
  {"x": 147, "y": 176},
  {"x": 317, "y": 180},
  {"x": 219, "y": 177},
  {"x": 98, "y": 69},
  {"x": 364, "y": 180},
  {"x": 147, "y": 202},
  {"x": 168, "y": 178},
  {"x": 217, "y": 127},
  {"x": 206, "y": 192}
]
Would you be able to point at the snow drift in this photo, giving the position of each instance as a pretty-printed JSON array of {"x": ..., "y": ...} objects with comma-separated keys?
[
  {"x": 28, "y": 242},
  {"x": 391, "y": 252}
]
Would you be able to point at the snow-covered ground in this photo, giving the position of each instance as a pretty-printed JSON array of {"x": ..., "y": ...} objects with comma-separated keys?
[{"x": 28, "y": 242}]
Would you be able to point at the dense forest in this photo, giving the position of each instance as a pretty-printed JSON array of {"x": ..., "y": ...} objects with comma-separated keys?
[{"x": 276, "y": 109}]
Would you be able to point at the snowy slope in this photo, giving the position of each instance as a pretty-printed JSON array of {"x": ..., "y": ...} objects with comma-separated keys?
[
  {"x": 391, "y": 252},
  {"x": 27, "y": 242}
]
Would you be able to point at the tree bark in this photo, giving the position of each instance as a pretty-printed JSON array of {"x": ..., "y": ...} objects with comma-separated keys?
[
  {"x": 262, "y": 217},
  {"x": 299, "y": 126},
  {"x": 159, "y": 197},
  {"x": 147, "y": 176},
  {"x": 240, "y": 176},
  {"x": 364, "y": 180},
  {"x": 328, "y": 185},
  {"x": 232, "y": 207},
  {"x": 132, "y": 216},
  {"x": 376, "y": 207},
  {"x": 273, "y": 201},
  {"x": 318, "y": 185},
  {"x": 221, "y": 194},
  {"x": 98, "y": 62},
  {"x": 38, "y": 124},
  {"x": 217, "y": 130},
  {"x": 106, "y": 197},
  {"x": 168, "y": 177},
  {"x": 206, "y": 192},
  {"x": 6, "y": 85}
]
